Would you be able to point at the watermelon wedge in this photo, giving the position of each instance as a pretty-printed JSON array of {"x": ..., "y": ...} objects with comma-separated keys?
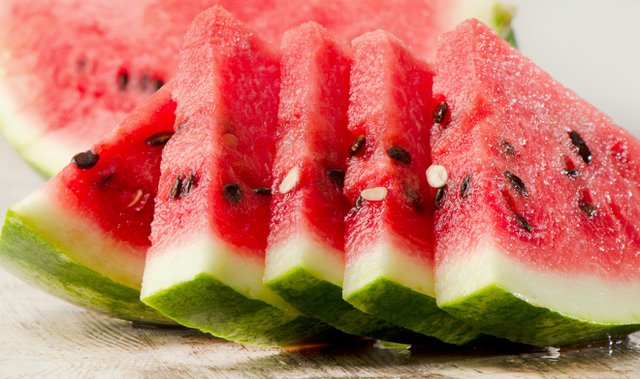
[
  {"x": 389, "y": 244},
  {"x": 305, "y": 255},
  {"x": 537, "y": 230},
  {"x": 72, "y": 69},
  {"x": 209, "y": 234},
  {"x": 83, "y": 236}
]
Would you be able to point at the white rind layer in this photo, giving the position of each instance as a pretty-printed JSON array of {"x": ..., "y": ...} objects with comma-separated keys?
[
  {"x": 301, "y": 251},
  {"x": 582, "y": 296},
  {"x": 386, "y": 260},
  {"x": 26, "y": 134},
  {"x": 81, "y": 240},
  {"x": 206, "y": 254}
]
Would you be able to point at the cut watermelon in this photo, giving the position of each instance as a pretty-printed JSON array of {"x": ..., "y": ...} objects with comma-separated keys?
[
  {"x": 71, "y": 69},
  {"x": 537, "y": 232},
  {"x": 84, "y": 235},
  {"x": 209, "y": 234},
  {"x": 305, "y": 257},
  {"x": 389, "y": 270}
]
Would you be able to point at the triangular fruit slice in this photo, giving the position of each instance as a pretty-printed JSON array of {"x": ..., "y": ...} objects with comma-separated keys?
[
  {"x": 209, "y": 234},
  {"x": 537, "y": 232},
  {"x": 305, "y": 257},
  {"x": 83, "y": 236},
  {"x": 389, "y": 246},
  {"x": 70, "y": 72}
]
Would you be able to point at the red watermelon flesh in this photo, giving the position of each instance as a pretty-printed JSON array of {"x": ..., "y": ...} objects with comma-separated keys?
[
  {"x": 72, "y": 69},
  {"x": 84, "y": 234},
  {"x": 211, "y": 222},
  {"x": 389, "y": 243},
  {"x": 542, "y": 201}
]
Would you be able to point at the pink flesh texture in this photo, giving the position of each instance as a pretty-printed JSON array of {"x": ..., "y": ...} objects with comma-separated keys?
[
  {"x": 67, "y": 55},
  {"x": 390, "y": 103},
  {"x": 313, "y": 136},
  {"x": 117, "y": 194},
  {"x": 495, "y": 94},
  {"x": 227, "y": 94}
]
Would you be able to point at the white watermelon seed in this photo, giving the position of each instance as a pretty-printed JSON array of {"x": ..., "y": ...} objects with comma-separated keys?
[
  {"x": 136, "y": 198},
  {"x": 374, "y": 194},
  {"x": 437, "y": 176},
  {"x": 290, "y": 180}
]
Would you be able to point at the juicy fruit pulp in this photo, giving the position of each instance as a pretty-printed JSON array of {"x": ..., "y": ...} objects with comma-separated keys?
[
  {"x": 72, "y": 69},
  {"x": 389, "y": 243},
  {"x": 539, "y": 211},
  {"x": 209, "y": 233},
  {"x": 83, "y": 236},
  {"x": 305, "y": 257}
]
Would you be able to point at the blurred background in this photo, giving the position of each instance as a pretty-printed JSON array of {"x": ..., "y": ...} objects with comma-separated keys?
[{"x": 593, "y": 47}]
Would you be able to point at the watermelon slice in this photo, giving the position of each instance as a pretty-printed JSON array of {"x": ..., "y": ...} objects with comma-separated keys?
[
  {"x": 71, "y": 69},
  {"x": 209, "y": 234},
  {"x": 305, "y": 257},
  {"x": 389, "y": 246},
  {"x": 537, "y": 230},
  {"x": 84, "y": 235}
]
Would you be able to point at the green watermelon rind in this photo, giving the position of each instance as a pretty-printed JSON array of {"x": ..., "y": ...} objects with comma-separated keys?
[
  {"x": 323, "y": 300},
  {"x": 498, "y": 312},
  {"x": 214, "y": 307},
  {"x": 38, "y": 261},
  {"x": 416, "y": 311}
]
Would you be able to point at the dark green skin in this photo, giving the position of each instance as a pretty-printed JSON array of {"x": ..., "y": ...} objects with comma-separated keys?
[
  {"x": 401, "y": 305},
  {"x": 495, "y": 311},
  {"x": 323, "y": 300},
  {"x": 38, "y": 261},
  {"x": 208, "y": 304}
]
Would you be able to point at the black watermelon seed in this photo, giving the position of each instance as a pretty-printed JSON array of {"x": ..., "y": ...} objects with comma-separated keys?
[
  {"x": 176, "y": 189},
  {"x": 157, "y": 84},
  {"x": 589, "y": 209},
  {"x": 337, "y": 176},
  {"x": 571, "y": 173},
  {"x": 524, "y": 224},
  {"x": 464, "y": 186},
  {"x": 414, "y": 198},
  {"x": 357, "y": 145},
  {"x": 86, "y": 159},
  {"x": 359, "y": 202},
  {"x": 123, "y": 80},
  {"x": 440, "y": 113},
  {"x": 583, "y": 149},
  {"x": 159, "y": 138},
  {"x": 188, "y": 184},
  {"x": 437, "y": 201},
  {"x": 516, "y": 183},
  {"x": 106, "y": 180},
  {"x": 81, "y": 64},
  {"x": 233, "y": 193},
  {"x": 507, "y": 148},
  {"x": 262, "y": 191},
  {"x": 399, "y": 154}
]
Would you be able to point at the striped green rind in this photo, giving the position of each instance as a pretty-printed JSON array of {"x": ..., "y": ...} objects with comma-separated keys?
[
  {"x": 495, "y": 311},
  {"x": 210, "y": 305},
  {"x": 416, "y": 311},
  {"x": 323, "y": 300},
  {"x": 501, "y": 22},
  {"x": 35, "y": 259}
]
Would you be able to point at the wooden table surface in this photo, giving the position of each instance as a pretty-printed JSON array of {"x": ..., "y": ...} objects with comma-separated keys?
[{"x": 43, "y": 336}]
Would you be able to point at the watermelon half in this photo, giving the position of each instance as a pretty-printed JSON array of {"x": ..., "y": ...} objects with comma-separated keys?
[
  {"x": 305, "y": 254},
  {"x": 84, "y": 235},
  {"x": 537, "y": 230},
  {"x": 211, "y": 223},
  {"x": 389, "y": 240},
  {"x": 72, "y": 69}
]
